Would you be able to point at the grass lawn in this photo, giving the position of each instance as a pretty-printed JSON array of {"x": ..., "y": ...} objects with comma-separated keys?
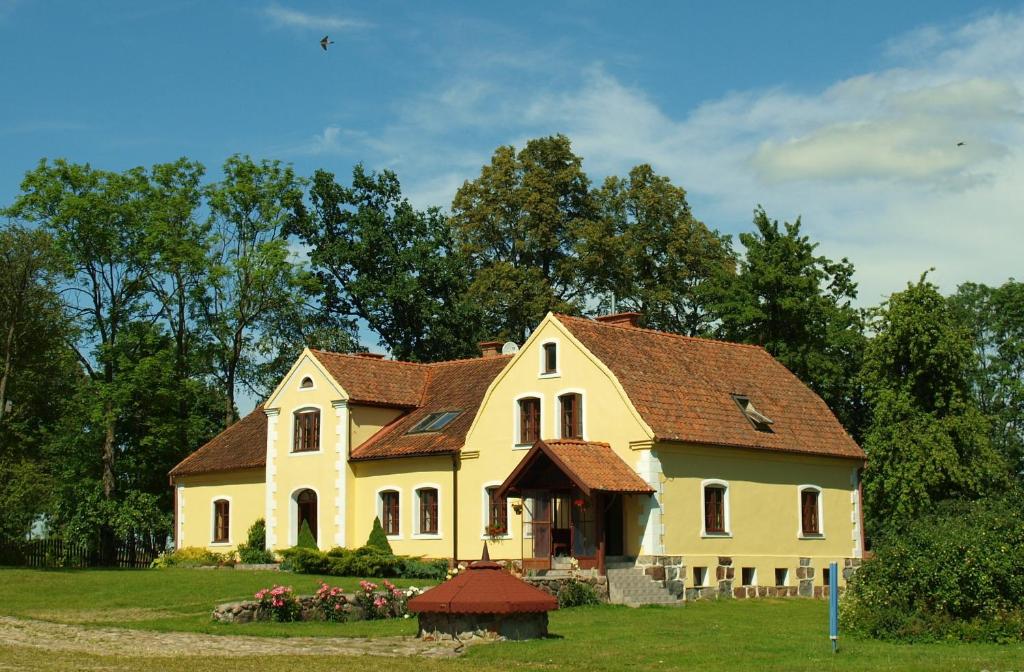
[{"x": 726, "y": 635}]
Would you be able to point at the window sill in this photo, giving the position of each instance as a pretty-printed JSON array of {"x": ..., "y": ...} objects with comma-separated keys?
[
  {"x": 553, "y": 374},
  {"x": 435, "y": 536},
  {"x": 301, "y": 453},
  {"x": 220, "y": 543},
  {"x": 487, "y": 537},
  {"x": 522, "y": 446},
  {"x": 394, "y": 537},
  {"x": 716, "y": 535},
  {"x": 810, "y": 537}
]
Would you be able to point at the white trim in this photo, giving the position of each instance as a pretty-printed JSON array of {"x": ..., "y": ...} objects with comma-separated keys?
[
  {"x": 704, "y": 583},
  {"x": 379, "y": 507},
  {"x": 726, "y": 522},
  {"x": 320, "y": 437},
  {"x": 784, "y": 569},
  {"x": 858, "y": 543},
  {"x": 300, "y": 388},
  {"x": 179, "y": 534},
  {"x": 651, "y": 520},
  {"x": 293, "y": 510},
  {"x": 213, "y": 519},
  {"x": 799, "y": 512},
  {"x": 415, "y": 527},
  {"x": 583, "y": 411},
  {"x": 753, "y": 583},
  {"x": 270, "y": 517},
  {"x": 341, "y": 467},
  {"x": 517, "y": 443},
  {"x": 486, "y": 512},
  {"x": 557, "y": 373}
]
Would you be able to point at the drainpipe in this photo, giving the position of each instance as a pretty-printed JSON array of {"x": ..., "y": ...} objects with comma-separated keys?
[{"x": 455, "y": 509}]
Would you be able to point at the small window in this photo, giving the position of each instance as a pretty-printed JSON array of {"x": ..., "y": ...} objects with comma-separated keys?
[
  {"x": 826, "y": 576},
  {"x": 714, "y": 509},
  {"x": 781, "y": 576},
  {"x": 428, "y": 510},
  {"x": 221, "y": 521},
  {"x": 550, "y": 358},
  {"x": 306, "y": 383},
  {"x": 497, "y": 513},
  {"x": 748, "y": 575},
  {"x": 389, "y": 513},
  {"x": 572, "y": 416},
  {"x": 307, "y": 431},
  {"x": 700, "y": 576},
  {"x": 434, "y": 422},
  {"x": 529, "y": 420},
  {"x": 760, "y": 421},
  {"x": 810, "y": 522}
]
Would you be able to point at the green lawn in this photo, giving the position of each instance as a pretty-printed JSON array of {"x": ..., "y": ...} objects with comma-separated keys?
[{"x": 726, "y": 635}]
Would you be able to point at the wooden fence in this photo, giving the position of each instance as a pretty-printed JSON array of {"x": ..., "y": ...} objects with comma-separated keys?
[{"x": 56, "y": 554}]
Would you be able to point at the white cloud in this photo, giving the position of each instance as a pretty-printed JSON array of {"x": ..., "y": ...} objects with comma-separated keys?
[{"x": 293, "y": 18}]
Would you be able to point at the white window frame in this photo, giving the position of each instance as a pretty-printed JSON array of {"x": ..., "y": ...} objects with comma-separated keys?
[
  {"x": 583, "y": 411},
  {"x": 725, "y": 503},
  {"x": 379, "y": 507},
  {"x": 312, "y": 387},
  {"x": 557, "y": 373},
  {"x": 415, "y": 527},
  {"x": 291, "y": 433},
  {"x": 784, "y": 583},
  {"x": 753, "y": 583},
  {"x": 800, "y": 512},
  {"x": 707, "y": 573},
  {"x": 486, "y": 512},
  {"x": 293, "y": 514},
  {"x": 517, "y": 443},
  {"x": 213, "y": 520}
]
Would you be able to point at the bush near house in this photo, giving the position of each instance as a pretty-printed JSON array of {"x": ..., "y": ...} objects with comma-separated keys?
[
  {"x": 193, "y": 556},
  {"x": 254, "y": 551},
  {"x": 306, "y": 538},
  {"x": 577, "y": 594},
  {"x": 365, "y": 561},
  {"x": 954, "y": 573},
  {"x": 378, "y": 539}
]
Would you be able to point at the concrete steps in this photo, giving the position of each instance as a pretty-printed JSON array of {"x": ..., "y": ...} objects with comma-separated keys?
[{"x": 627, "y": 584}]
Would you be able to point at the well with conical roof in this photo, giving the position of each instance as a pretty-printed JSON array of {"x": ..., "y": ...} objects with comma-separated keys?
[{"x": 483, "y": 599}]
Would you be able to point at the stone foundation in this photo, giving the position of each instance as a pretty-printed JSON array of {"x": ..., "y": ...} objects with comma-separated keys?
[
  {"x": 552, "y": 585},
  {"x": 669, "y": 569},
  {"x": 483, "y": 626}
]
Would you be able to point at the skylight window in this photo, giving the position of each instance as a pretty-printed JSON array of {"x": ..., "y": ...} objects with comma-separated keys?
[
  {"x": 760, "y": 421},
  {"x": 434, "y": 422}
]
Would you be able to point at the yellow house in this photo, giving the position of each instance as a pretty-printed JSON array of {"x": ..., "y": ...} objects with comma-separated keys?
[{"x": 596, "y": 445}]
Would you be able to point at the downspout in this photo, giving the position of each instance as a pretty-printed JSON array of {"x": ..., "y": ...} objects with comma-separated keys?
[
  {"x": 174, "y": 499},
  {"x": 455, "y": 509}
]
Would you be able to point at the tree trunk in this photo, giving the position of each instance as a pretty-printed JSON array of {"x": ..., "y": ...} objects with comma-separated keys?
[
  {"x": 108, "y": 452},
  {"x": 229, "y": 399},
  {"x": 8, "y": 348}
]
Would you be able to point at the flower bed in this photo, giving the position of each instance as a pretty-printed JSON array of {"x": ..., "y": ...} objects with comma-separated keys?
[{"x": 329, "y": 603}]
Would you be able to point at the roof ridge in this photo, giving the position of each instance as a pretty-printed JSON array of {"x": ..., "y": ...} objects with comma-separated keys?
[
  {"x": 463, "y": 360},
  {"x": 658, "y": 332},
  {"x": 356, "y": 355}
]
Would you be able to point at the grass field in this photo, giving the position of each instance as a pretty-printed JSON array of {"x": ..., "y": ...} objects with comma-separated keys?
[{"x": 726, "y": 635}]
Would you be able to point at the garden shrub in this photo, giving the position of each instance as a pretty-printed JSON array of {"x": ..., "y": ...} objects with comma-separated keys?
[
  {"x": 306, "y": 538},
  {"x": 331, "y": 603},
  {"x": 953, "y": 573},
  {"x": 304, "y": 560},
  {"x": 577, "y": 594},
  {"x": 365, "y": 561},
  {"x": 254, "y": 551},
  {"x": 391, "y": 602},
  {"x": 378, "y": 539},
  {"x": 281, "y": 602},
  {"x": 193, "y": 556},
  {"x": 418, "y": 568}
]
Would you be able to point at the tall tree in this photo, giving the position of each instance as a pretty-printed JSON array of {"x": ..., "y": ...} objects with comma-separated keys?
[
  {"x": 798, "y": 306},
  {"x": 995, "y": 318},
  {"x": 646, "y": 252},
  {"x": 380, "y": 260},
  {"x": 927, "y": 440},
  {"x": 251, "y": 274},
  {"x": 517, "y": 223}
]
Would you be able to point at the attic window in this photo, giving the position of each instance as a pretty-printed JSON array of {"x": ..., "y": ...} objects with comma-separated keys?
[
  {"x": 306, "y": 383},
  {"x": 760, "y": 421},
  {"x": 434, "y": 422}
]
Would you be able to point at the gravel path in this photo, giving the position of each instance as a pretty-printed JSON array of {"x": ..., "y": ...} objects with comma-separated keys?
[{"x": 121, "y": 641}]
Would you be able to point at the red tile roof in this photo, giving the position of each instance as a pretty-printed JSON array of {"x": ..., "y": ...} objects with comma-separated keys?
[
  {"x": 483, "y": 588},
  {"x": 243, "y": 445},
  {"x": 370, "y": 380},
  {"x": 591, "y": 465},
  {"x": 683, "y": 389},
  {"x": 450, "y": 386}
]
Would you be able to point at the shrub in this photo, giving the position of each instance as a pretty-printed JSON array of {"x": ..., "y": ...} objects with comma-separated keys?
[
  {"x": 304, "y": 560},
  {"x": 577, "y": 594},
  {"x": 953, "y": 573},
  {"x": 281, "y": 602},
  {"x": 417, "y": 568},
  {"x": 330, "y": 602},
  {"x": 193, "y": 556},
  {"x": 254, "y": 550},
  {"x": 306, "y": 538},
  {"x": 378, "y": 539},
  {"x": 391, "y": 602}
]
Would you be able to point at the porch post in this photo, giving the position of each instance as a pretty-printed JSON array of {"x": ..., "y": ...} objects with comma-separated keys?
[{"x": 599, "y": 525}]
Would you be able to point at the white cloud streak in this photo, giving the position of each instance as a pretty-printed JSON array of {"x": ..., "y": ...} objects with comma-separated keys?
[{"x": 285, "y": 17}]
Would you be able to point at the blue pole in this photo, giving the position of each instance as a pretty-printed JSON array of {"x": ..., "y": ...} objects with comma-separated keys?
[{"x": 833, "y": 604}]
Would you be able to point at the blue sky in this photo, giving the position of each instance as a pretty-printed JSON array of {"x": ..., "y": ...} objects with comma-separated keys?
[{"x": 845, "y": 113}]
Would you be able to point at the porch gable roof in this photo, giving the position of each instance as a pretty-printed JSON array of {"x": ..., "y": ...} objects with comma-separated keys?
[{"x": 590, "y": 465}]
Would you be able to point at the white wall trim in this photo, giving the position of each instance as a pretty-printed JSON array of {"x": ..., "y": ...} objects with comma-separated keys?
[
  {"x": 293, "y": 515},
  {"x": 558, "y": 410},
  {"x": 486, "y": 510},
  {"x": 270, "y": 515},
  {"x": 213, "y": 520},
  {"x": 179, "y": 534},
  {"x": 855, "y": 517},
  {"x": 651, "y": 519},
  {"x": 291, "y": 432},
  {"x": 799, "y": 512},
  {"x": 557, "y": 373},
  {"x": 415, "y": 512},
  {"x": 517, "y": 443},
  {"x": 341, "y": 448},
  {"x": 379, "y": 507},
  {"x": 727, "y": 522}
]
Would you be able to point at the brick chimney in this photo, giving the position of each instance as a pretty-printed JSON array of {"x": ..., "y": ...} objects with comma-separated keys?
[
  {"x": 490, "y": 348},
  {"x": 621, "y": 319}
]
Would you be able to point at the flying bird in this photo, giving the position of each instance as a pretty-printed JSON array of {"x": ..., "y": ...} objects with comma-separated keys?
[
  {"x": 325, "y": 41},
  {"x": 959, "y": 144}
]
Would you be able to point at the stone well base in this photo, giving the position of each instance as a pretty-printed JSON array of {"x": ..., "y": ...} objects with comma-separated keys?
[{"x": 487, "y": 626}]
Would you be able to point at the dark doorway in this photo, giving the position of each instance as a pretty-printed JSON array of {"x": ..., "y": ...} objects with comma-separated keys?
[
  {"x": 613, "y": 526},
  {"x": 306, "y": 505}
]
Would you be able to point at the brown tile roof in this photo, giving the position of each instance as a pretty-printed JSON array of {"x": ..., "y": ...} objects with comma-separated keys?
[
  {"x": 450, "y": 386},
  {"x": 683, "y": 387},
  {"x": 243, "y": 445},
  {"x": 591, "y": 465},
  {"x": 370, "y": 380}
]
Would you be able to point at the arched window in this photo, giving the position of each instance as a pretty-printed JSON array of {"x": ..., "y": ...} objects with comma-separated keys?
[
  {"x": 810, "y": 511},
  {"x": 307, "y": 431},
  {"x": 529, "y": 420},
  {"x": 428, "y": 510},
  {"x": 221, "y": 521},
  {"x": 715, "y": 507},
  {"x": 572, "y": 415},
  {"x": 389, "y": 512},
  {"x": 305, "y": 506},
  {"x": 306, "y": 383}
]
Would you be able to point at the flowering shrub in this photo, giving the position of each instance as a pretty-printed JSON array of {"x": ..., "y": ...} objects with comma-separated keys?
[
  {"x": 454, "y": 571},
  {"x": 391, "y": 602},
  {"x": 330, "y": 602},
  {"x": 280, "y": 601}
]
